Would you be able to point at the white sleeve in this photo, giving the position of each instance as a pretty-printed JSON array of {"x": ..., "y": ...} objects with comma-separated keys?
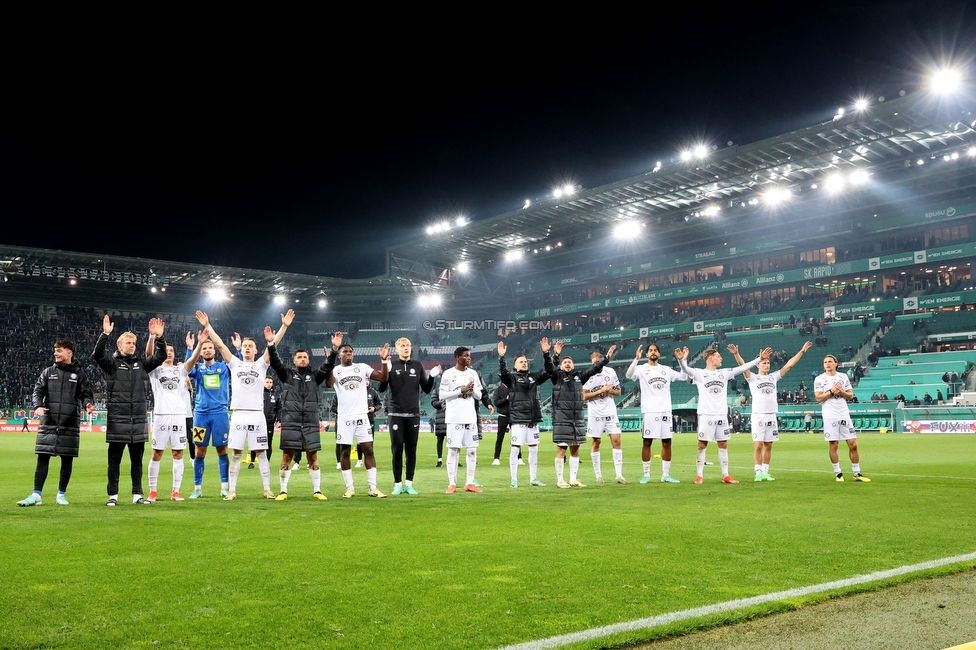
[
  {"x": 616, "y": 380},
  {"x": 632, "y": 369}
]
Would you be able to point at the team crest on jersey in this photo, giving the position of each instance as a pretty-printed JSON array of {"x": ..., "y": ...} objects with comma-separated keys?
[
  {"x": 413, "y": 371},
  {"x": 169, "y": 382}
]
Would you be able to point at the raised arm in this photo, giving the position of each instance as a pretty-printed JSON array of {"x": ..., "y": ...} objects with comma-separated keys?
[
  {"x": 384, "y": 374},
  {"x": 220, "y": 345},
  {"x": 632, "y": 368},
  {"x": 764, "y": 354},
  {"x": 795, "y": 358},
  {"x": 156, "y": 327},
  {"x": 194, "y": 355},
  {"x": 734, "y": 349}
]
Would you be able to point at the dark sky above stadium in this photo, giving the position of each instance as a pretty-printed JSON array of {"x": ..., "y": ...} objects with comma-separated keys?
[{"x": 309, "y": 145}]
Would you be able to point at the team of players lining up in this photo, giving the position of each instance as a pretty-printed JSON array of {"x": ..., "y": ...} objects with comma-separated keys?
[{"x": 582, "y": 403}]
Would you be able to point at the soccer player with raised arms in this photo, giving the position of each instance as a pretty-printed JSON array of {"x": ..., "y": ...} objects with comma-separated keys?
[
  {"x": 713, "y": 405},
  {"x": 657, "y": 421},
  {"x": 833, "y": 390},
  {"x": 247, "y": 400},
  {"x": 568, "y": 428},
  {"x": 524, "y": 409},
  {"x": 765, "y": 429},
  {"x": 211, "y": 424},
  {"x": 350, "y": 381},
  {"x": 601, "y": 417},
  {"x": 170, "y": 395}
]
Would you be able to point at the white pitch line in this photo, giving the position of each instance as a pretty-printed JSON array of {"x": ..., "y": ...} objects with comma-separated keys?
[{"x": 731, "y": 605}]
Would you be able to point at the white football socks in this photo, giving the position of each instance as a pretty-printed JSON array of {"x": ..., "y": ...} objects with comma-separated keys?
[
  {"x": 470, "y": 464},
  {"x": 723, "y": 460},
  {"x": 574, "y": 463},
  {"x": 153, "y": 475},
  {"x": 618, "y": 461}
]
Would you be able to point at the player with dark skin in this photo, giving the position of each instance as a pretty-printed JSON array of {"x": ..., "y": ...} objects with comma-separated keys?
[{"x": 345, "y": 355}]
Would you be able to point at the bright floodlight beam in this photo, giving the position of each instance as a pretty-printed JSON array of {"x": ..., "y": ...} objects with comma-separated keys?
[
  {"x": 860, "y": 104},
  {"x": 460, "y": 221},
  {"x": 776, "y": 196},
  {"x": 946, "y": 80},
  {"x": 859, "y": 177},
  {"x": 834, "y": 183},
  {"x": 463, "y": 267},
  {"x": 701, "y": 151},
  {"x": 279, "y": 300},
  {"x": 513, "y": 255},
  {"x": 322, "y": 303},
  {"x": 217, "y": 294}
]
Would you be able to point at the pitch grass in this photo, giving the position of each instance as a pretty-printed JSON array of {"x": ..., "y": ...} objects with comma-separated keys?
[{"x": 462, "y": 571}]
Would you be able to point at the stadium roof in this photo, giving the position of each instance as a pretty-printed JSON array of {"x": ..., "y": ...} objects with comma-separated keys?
[{"x": 886, "y": 140}]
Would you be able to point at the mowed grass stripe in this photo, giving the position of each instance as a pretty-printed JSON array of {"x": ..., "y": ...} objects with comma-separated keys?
[{"x": 461, "y": 571}]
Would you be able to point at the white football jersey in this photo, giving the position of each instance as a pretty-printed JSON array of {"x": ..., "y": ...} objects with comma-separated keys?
[
  {"x": 247, "y": 383},
  {"x": 763, "y": 389},
  {"x": 350, "y": 386},
  {"x": 834, "y": 408},
  {"x": 655, "y": 386},
  {"x": 170, "y": 395},
  {"x": 604, "y": 406},
  {"x": 460, "y": 410},
  {"x": 713, "y": 386}
]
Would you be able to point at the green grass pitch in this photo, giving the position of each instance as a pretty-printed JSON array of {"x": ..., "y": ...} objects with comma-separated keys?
[{"x": 465, "y": 570}]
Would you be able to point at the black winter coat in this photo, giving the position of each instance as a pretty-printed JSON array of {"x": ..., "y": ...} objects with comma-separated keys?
[
  {"x": 523, "y": 400},
  {"x": 568, "y": 420},
  {"x": 127, "y": 378},
  {"x": 64, "y": 390},
  {"x": 299, "y": 401},
  {"x": 440, "y": 423}
]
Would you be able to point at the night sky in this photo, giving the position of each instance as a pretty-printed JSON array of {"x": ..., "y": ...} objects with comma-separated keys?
[{"x": 308, "y": 147}]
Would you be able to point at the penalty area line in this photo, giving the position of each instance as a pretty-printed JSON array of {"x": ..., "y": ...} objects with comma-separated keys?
[{"x": 732, "y": 605}]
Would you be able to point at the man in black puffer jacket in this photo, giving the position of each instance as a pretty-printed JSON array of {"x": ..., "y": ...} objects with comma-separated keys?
[
  {"x": 524, "y": 409},
  {"x": 59, "y": 395},
  {"x": 299, "y": 415},
  {"x": 568, "y": 414},
  {"x": 126, "y": 376}
]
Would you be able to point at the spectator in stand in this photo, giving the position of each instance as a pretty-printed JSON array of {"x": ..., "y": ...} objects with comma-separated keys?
[
  {"x": 884, "y": 396},
  {"x": 939, "y": 398},
  {"x": 875, "y": 397}
]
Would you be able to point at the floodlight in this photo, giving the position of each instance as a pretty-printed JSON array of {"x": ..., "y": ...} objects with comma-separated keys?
[
  {"x": 711, "y": 210},
  {"x": 701, "y": 151},
  {"x": 527, "y": 204},
  {"x": 72, "y": 282},
  {"x": 569, "y": 190},
  {"x": 460, "y": 221},
  {"x": 279, "y": 300},
  {"x": 686, "y": 155},
  {"x": 859, "y": 177},
  {"x": 558, "y": 192},
  {"x": 431, "y": 230},
  {"x": 463, "y": 267},
  {"x": 776, "y": 195},
  {"x": 840, "y": 112},
  {"x": 151, "y": 289},
  {"x": 217, "y": 294},
  {"x": 946, "y": 80},
  {"x": 322, "y": 303},
  {"x": 513, "y": 255},
  {"x": 625, "y": 229},
  {"x": 861, "y": 104},
  {"x": 972, "y": 152},
  {"x": 834, "y": 183}
]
